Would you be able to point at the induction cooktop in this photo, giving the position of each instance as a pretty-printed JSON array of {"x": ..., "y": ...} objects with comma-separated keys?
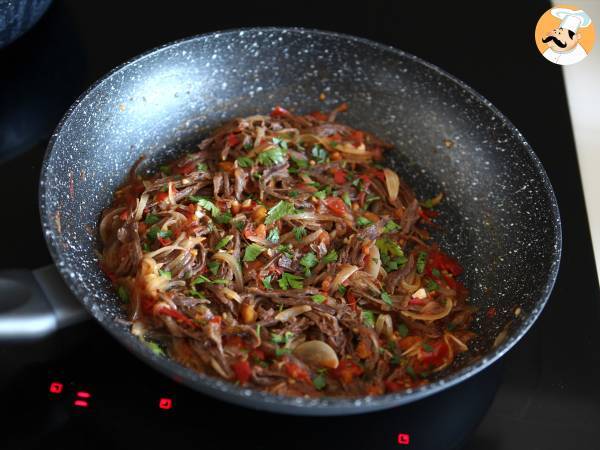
[{"x": 79, "y": 387}]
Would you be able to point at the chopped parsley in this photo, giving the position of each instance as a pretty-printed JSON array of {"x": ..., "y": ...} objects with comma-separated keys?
[
  {"x": 223, "y": 242},
  {"x": 425, "y": 346},
  {"x": 363, "y": 222},
  {"x": 267, "y": 282},
  {"x": 151, "y": 219},
  {"x": 368, "y": 318},
  {"x": 320, "y": 381},
  {"x": 435, "y": 272},
  {"x": 202, "y": 167},
  {"x": 318, "y": 298},
  {"x": 342, "y": 289},
  {"x": 386, "y": 298},
  {"x": 289, "y": 280},
  {"x": 272, "y": 156},
  {"x": 319, "y": 154},
  {"x": 165, "y": 273},
  {"x": 252, "y": 252},
  {"x": 273, "y": 235},
  {"x": 285, "y": 249},
  {"x": 346, "y": 199},
  {"x": 421, "y": 261},
  {"x": 330, "y": 257},
  {"x": 308, "y": 261},
  {"x": 279, "y": 211},
  {"x": 165, "y": 169},
  {"x": 390, "y": 227},
  {"x": 301, "y": 163},
  {"x": 244, "y": 162},
  {"x": 213, "y": 266},
  {"x": 123, "y": 295},
  {"x": 299, "y": 232},
  {"x": 432, "y": 286},
  {"x": 402, "y": 330}
]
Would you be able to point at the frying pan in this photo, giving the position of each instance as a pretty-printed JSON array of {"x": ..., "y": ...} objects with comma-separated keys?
[{"x": 499, "y": 217}]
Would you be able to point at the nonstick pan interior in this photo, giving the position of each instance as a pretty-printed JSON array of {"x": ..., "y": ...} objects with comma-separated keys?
[{"x": 499, "y": 217}]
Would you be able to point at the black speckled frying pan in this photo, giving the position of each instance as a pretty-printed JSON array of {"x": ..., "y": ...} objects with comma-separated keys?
[{"x": 500, "y": 217}]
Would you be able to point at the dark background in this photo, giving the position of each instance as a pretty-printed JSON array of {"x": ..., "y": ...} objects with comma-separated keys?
[{"x": 550, "y": 394}]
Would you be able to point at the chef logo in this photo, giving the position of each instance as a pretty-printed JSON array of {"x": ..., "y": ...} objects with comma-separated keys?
[{"x": 564, "y": 35}]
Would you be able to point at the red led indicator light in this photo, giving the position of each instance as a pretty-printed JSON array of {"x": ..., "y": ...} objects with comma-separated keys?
[
  {"x": 56, "y": 387},
  {"x": 81, "y": 403},
  {"x": 165, "y": 403},
  {"x": 403, "y": 438},
  {"x": 83, "y": 394}
]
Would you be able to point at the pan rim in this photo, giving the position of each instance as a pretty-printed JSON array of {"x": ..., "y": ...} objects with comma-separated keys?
[{"x": 257, "y": 399}]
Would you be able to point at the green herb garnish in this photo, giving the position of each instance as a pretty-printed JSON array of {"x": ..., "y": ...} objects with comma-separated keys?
[
  {"x": 151, "y": 219},
  {"x": 252, "y": 252},
  {"x": 318, "y": 298},
  {"x": 213, "y": 266},
  {"x": 402, "y": 330},
  {"x": 386, "y": 298},
  {"x": 165, "y": 273},
  {"x": 267, "y": 282},
  {"x": 320, "y": 381},
  {"x": 123, "y": 294},
  {"x": 421, "y": 261},
  {"x": 273, "y": 235},
  {"x": 289, "y": 280},
  {"x": 299, "y": 232},
  {"x": 390, "y": 227},
  {"x": 363, "y": 222},
  {"x": 279, "y": 211},
  {"x": 223, "y": 242},
  {"x": 308, "y": 261},
  {"x": 330, "y": 257},
  {"x": 244, "y": 162},
  {"x": 271, "y": 157},
  {"x": 368, "y": 318}
]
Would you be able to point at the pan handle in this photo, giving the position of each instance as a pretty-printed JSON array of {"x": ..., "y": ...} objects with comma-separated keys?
[{"x": 35, "y": 304}]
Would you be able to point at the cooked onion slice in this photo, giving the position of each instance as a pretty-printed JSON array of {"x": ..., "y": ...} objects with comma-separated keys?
[
  {"x": 294, "y": 311},
  {"x": 345, "y": 272},
  {"x": 317, "y": 353},
  {"x": 392, "y": 183},
  {"x": 429, "y": 317},
  {"x": 235, "y": 267}
]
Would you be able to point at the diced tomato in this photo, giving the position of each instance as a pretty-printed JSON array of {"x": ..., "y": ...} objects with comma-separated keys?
[
  {"x": 260, "y": 231},
  {"x": 358, "y": 137},
  {"x": 297, "y": 372},
  {"x": 452, "y": 283},
  {"x": 148, "y": 304},
  {"x": 258, "y": 354},
  {"x": 379, "y": 174},
  {"x": 424, "y": 216},
  {"x": 233, "y": 341},
  {"x": 491, "y": 312},
  {"x": 366, "y": 180},
  {"x": 124, "y": 215},
  {"x": 336, "y": 205},
  {"x": 184, "y": 170},
  {"x": 347, "y": 370},
  {"x": 441, "y": 261},
  {"x": 164, "y": 241},
  {"x": 278, "y": 111},
  {"x": 339, "y": 176},
  {"x": 233, "y": 140},
  {"x": 351, "y": 300},
  {"x": 416, "y": 301},
  {"x": 216, "y": 319},
  {"x": 392, "y": 386},
  {"x": 362, "y": 350},
  {"x": 226, "y": 166},
  {"x": 242, "y": 370},
  {"x": 176, "y": 315},
  {"x": 439, "y": 351},
  {"x": 319, "y": 116},
  {"x": 161, "y": 196},
  {"x": 254, "y": 265},
  {"x": 407, "y": 342}
]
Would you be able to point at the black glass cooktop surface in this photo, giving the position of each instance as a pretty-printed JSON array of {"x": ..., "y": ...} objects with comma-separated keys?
[{"x": 80, "y": 388}]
